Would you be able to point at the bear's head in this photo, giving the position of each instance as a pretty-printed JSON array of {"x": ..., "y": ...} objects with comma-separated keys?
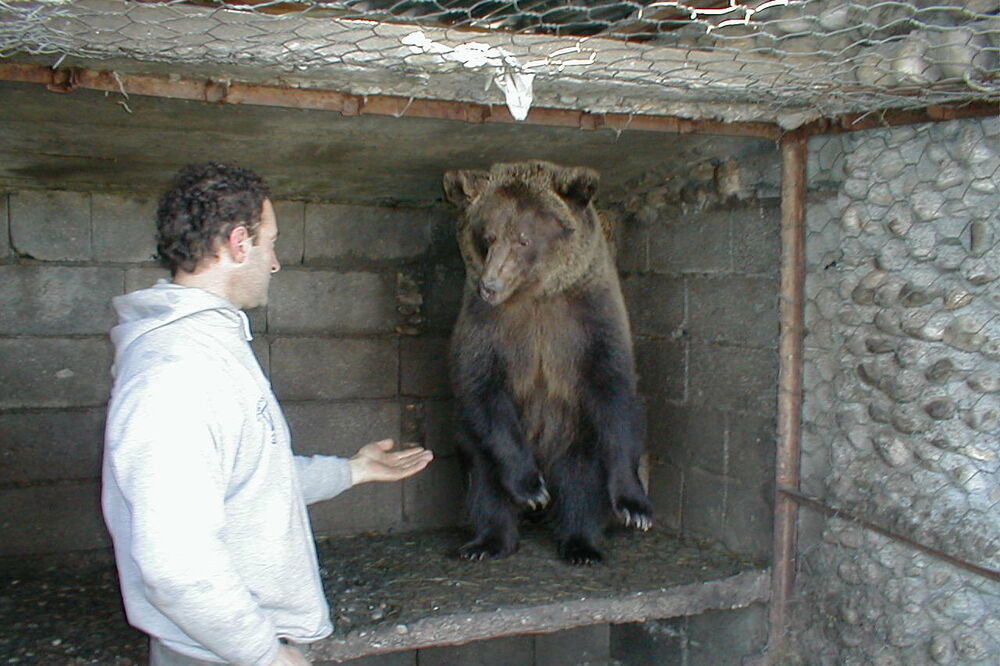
[{"x": 526, "y": 227}]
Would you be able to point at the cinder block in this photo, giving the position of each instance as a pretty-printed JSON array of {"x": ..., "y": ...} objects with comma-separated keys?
[
  {"x": 691, "y": 244},
  {"x": 662, "y": 368},
  {"x": 704, "y": 503},
  {"x": 582, "y": 645},
  {"x": 443, "y": 299},
  {"x": 735, "y": 310},
  {"x": 4, "y": 227},
  {"x": 506, "y": 651},
  {"x": 332, "y": 302},
  {"x": 54, "y": 372},
  {"x": 424, "y": 367},
  {"x": 336, "y": 232},
  {"x": 341, "y": 428},
  {"x": 124, "y": 227},
  {"x": 291, "y": 231},
  {"x": 368, "y": 507},
  {"x": 659, "y": 642},
  {"x": 749, "y": 518},
  {"x": 726, "y": 636},
  {"x": 333, "y": 369},
  {"x": 686, "y": 436},
  {"x": 408, "y": 658},
  {"x": 57, "y": 300},
  {"x": 51, "y": 226},
  {"x": 757, "y": 239},
  {"x": 262, "y": 350},
  {"x": 259, "y": 324},
  {"x": 633, "y": 248},
  {"x": 144, "y": 277},
  {"x": 436, "y": 496},
  {"x": 51, "y": 519},
  {"x": 666, "y": 492},
  {"x": 733, "y": 378},
  {"x": 751, "y": 449},
  {"x": 51, "y": 444},
  {"x": 444, "y": 237},
  {"x": 656, "y": 305},
  {"x": 439, "y": 427}
]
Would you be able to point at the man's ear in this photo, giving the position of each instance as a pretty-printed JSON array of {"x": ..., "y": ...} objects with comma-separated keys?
[{"x": 238, "y": 243}]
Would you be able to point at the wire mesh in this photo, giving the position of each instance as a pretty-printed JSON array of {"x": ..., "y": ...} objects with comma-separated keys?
[
  {"x": 901, "y": 414},
  {"x": 826, "y": 56}
]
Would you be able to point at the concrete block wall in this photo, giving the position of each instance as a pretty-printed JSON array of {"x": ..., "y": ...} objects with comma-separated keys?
[
  {"x": 572, "y": 647},
  {"x": 714, "y": 638},
  {"x": 701, "y": 286},
  {"x": 353, "y": 340}
]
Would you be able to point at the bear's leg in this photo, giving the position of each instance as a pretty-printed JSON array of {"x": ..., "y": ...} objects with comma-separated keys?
[
  {"x": 493, "y": 516},
  {"x": 629, "y": 500},
  {"x": 581, "y": 507}
]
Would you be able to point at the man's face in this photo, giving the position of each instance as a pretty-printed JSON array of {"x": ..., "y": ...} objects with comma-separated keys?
[{"x": 255, "y": 275}]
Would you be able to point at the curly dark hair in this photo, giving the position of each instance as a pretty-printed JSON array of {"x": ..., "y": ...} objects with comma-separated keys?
[{"x": 204, "y": 204}]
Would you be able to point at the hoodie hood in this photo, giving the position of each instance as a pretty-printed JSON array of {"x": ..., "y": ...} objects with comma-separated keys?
[{"x": 146, "y": 310}]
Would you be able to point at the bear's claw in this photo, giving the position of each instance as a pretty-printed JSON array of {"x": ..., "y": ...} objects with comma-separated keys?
[
  {"x": 487, "y": 548},
  {"x": 533, "y": 494},
  {"x": 580, "y": 552},
  {"x": 634, "y": 514}
]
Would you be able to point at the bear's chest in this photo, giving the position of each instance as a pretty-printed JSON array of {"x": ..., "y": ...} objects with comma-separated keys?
[{"x": 543, "y": 347}]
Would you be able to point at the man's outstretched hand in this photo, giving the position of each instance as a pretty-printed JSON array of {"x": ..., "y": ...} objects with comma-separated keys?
[{"x": 378, "y": 462}]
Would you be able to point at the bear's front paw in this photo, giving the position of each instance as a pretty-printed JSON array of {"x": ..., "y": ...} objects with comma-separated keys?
[
  {"x": 486, "y": 548},
  {"x": 632, "y": 512},
  {"x": 530, "y": 492},
  {"x": 579, "y": 551}
]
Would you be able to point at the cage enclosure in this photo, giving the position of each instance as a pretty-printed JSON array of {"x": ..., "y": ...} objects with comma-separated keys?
[{"x": 803, "y": 197}]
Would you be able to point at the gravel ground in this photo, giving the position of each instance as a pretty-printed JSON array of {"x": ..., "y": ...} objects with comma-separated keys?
[{"x": 72, "y": 615}]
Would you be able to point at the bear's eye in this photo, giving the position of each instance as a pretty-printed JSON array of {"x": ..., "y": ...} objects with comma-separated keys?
[{"x": 523, "y": 240}]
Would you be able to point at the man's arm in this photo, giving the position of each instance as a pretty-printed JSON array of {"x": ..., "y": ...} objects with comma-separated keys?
[{"x": 324, "y": 477}]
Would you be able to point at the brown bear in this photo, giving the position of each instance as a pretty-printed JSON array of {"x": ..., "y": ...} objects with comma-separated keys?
[{"x": 541, "y": 362}]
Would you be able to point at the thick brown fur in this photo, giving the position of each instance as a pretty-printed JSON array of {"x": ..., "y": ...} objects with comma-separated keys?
[{"x": 541, "y": 361}]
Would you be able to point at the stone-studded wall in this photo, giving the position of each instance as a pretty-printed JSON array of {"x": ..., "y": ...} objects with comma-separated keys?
[
  {"x": 902, "y": 396},
  {"x": 353, "y": 341}
]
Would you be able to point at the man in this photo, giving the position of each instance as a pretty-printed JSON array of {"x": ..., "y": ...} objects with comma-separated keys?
[{"x": 204, "y": 500}]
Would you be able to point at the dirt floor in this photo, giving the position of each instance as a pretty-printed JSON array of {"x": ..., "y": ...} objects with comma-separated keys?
[{"x": 398, "y": 591}]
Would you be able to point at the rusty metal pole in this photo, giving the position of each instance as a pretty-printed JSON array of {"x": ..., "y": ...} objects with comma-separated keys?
[{"x": 791, "y": 311}]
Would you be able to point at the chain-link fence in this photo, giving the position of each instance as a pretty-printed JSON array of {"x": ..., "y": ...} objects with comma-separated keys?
[
  {"x": 902, "y": 395},
  {"x": 701, "y": 58}
]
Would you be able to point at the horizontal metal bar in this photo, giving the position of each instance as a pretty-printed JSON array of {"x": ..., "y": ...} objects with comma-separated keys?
[
  {"x": 68, "y": 79},
  {"x": 818, "y": 505}
]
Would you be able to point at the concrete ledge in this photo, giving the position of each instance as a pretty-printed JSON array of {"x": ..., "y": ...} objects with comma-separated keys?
[
  {"x": 400, "y": 592},
  {"x": 407, "y": 591}
]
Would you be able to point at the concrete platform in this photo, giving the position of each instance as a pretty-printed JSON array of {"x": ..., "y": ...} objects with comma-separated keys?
[{"x": 407, "y": 591}]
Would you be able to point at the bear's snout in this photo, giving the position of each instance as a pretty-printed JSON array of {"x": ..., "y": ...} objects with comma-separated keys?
[{"x": 491, "y": 290}]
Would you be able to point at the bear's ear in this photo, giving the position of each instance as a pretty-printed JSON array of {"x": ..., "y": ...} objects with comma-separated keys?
[
  {"x": 461, "y": 187},
  {"x": 577, "y": 184}
]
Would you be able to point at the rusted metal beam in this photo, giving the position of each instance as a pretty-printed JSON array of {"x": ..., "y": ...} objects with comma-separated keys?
[
  {"x": 216, "y": 92},
  {"x": 794, "y": 153},
  {"x": 856, "y": 122},
  {"x": 817, "y": 505}
]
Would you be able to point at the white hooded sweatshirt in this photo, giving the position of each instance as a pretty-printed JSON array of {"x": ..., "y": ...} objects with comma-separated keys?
[{"x": 204, "y": 500}]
